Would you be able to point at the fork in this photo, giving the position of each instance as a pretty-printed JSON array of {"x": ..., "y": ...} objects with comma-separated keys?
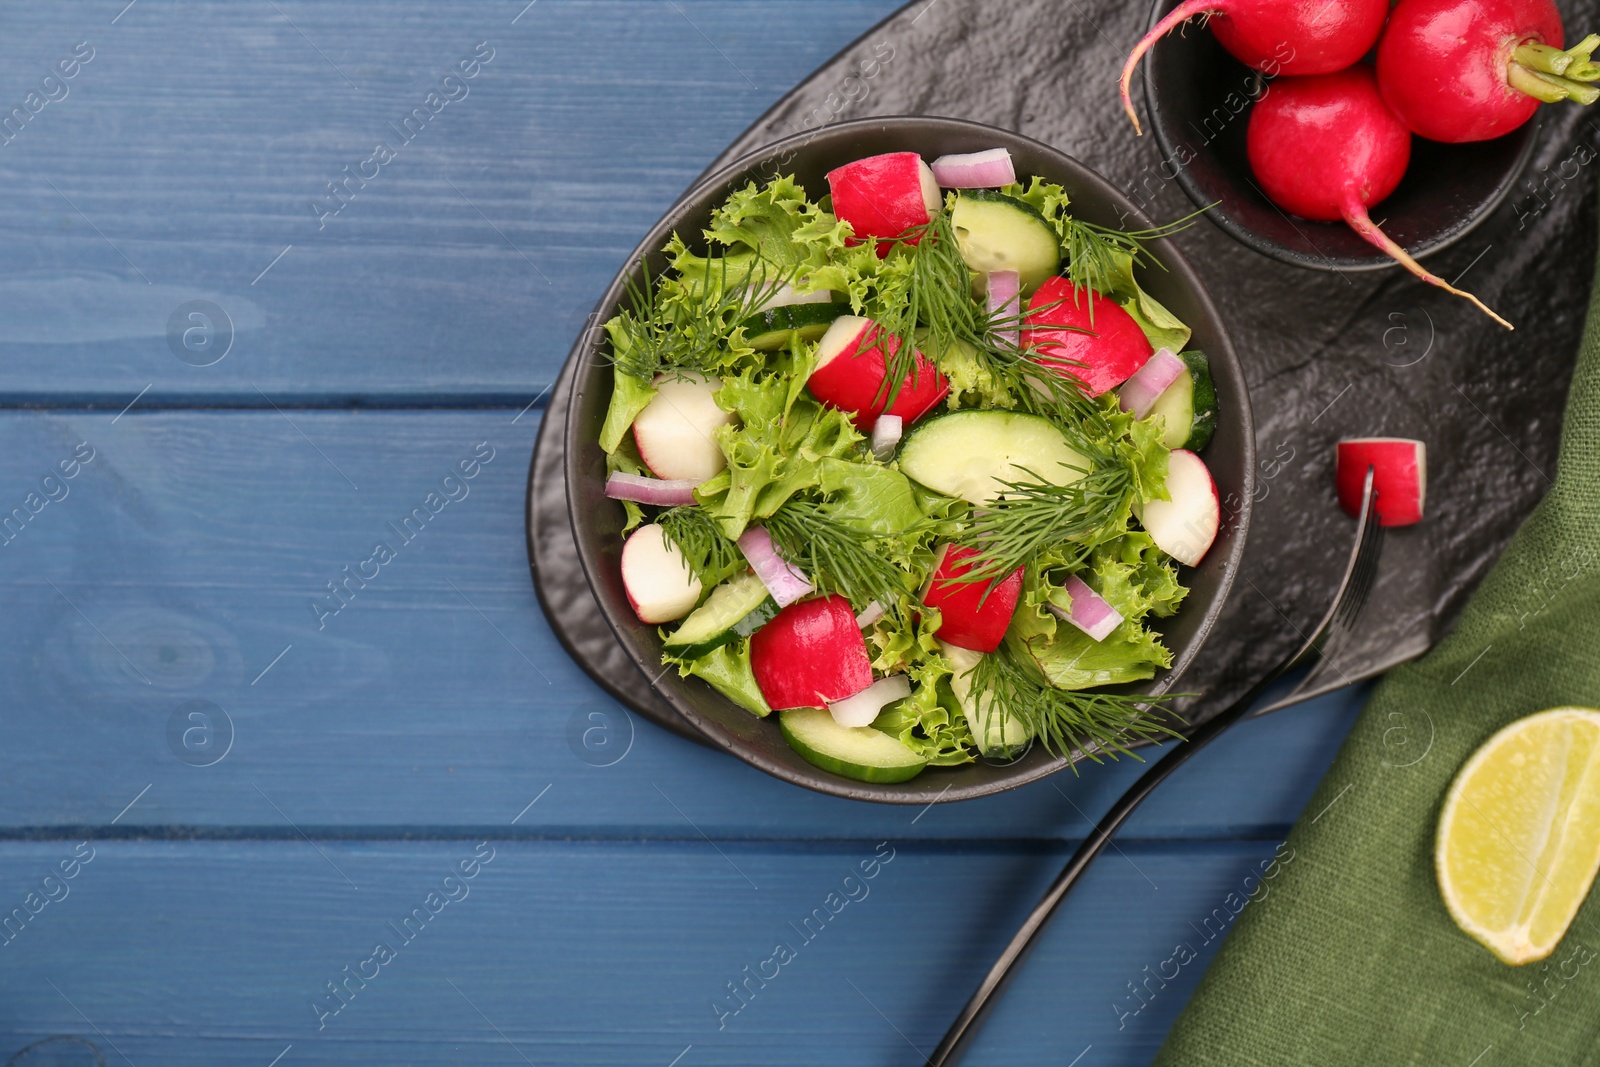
[{"x": 1325, "y": 643}]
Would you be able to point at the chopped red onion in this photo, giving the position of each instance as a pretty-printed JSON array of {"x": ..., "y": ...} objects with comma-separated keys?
[
  {"x": 975, "y": 170},
  {"x": 1138, "y": 394},
  {"x": 870, "y": 614},
  {"x": 886, "y": 435},
  {"x": 1090, "y": 612},
  {"x": 784, "y": 582},
  {"x": 655, "y": 491},
  {"x": 866, "y": 705},
  {"x": 1005, "y": 298}
]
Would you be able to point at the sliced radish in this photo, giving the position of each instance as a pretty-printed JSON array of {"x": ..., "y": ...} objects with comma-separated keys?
[
  {"x": 656, "y": 577},
  {"x": 1090, "y": 611},
  {"x": 975, "y": 170},
  {"x": 676, "y": 431},
  {"x": 851, "y": 369},
  {"x": 1140, "y": 392},
  {"x": 884, "y": 196},
  {"x": 783, "y": 581},
  {"x": 811, "y": 654},
  {"x": 865, "y": 706},
  {"x": 655, "y": 491},
  {"x": 1185, "y": 526},
  {"x": 886, "y": 433},
  {"x": 1004, "y": 289},
  {"x": 971, "y": 614},
  {"x": 870, "y": 614},
  {"x": 1102, "y": 347},
  {"x": 1400, "y": 477}
]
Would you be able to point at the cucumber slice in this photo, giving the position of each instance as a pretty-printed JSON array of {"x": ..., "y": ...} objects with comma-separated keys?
[
  {"x": 860, "y": 752},
  {"x": 967, "y": 454},
  {"x": 998, "y": 232},
  {"x": 737, "y": 608},
  {"x": 773, "y": 329},
  {"x": 994, "y": 730},
  {"x": 1189, "y": 406}
]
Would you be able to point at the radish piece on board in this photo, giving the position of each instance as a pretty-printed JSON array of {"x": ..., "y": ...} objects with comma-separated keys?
[{"x": 1400, "y": 476}]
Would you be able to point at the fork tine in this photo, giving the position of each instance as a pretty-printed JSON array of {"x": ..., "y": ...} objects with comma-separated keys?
[
  {"x": 1359, "y": 573},
  {"x": 1360, "y": 576}
]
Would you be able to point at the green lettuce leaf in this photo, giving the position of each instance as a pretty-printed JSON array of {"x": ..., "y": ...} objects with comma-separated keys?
[
  {"x": 1133, "y": 576},
  {"x": 868, "y": 498},
  {"x": 779, "y": 224},
  {"x": 727, "y": 670},
  {"x": 933, "y": 728},
  {"x": 776, "y": 448},
  {"x": 629, "y": 396}
]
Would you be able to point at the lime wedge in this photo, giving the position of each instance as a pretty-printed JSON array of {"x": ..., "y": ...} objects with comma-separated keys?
[{"x": 1519, "y": 836}]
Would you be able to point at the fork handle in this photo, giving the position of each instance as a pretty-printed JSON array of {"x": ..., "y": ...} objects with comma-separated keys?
[{"x": 967, "y": 1023}]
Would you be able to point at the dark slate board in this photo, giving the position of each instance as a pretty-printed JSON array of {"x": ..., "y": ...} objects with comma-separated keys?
[{"x": 1327, "y": 355}]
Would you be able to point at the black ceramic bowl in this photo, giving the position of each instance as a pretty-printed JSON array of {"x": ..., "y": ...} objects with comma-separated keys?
[
  {"x": 1198, "y": 99},
  {"x": 597, "y": 522}
]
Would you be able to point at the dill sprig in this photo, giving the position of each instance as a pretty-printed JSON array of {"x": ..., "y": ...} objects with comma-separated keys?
[
  {"x": 710, "y": 555},
  {"x": 1064, "y": 720},
  {"x": 937, "y": 294},
  {"x": 836, "y": 558},
  {"x": 1030, "y": 518},
  {"x": 1093, "y": 253},
  {"x": 687, "y": 334}
]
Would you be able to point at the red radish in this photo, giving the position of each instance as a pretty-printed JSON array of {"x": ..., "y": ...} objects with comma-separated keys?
[
  {"x": 810, "y": 654},
  {"x": 1104, "y": 357},
  {"x": 1275, "y": 36},
  {"x": 656, "y": 577},
  {"x": 1185, "y": 526},
  {"x": 676, "y": 431},
  {"x": 1400, "y": 477},
  {"x": 652, "y": 491},
  {"x": 866, "y": 705},
  {"x": 783, "y": 581},
  {"x": 971, "y": 614},
  {"x": 1090, "y": 612},
  {"x": 1470, "y": 70},
  {"x": 1140, "y": 393},
  {"x": 1328, "y": 148},
  {"x": 884, "y": 196},
  {"x": 851, "y": 369}
]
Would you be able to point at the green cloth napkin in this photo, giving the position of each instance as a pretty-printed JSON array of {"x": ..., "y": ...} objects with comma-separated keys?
[{"x": 1348, "y": 956}]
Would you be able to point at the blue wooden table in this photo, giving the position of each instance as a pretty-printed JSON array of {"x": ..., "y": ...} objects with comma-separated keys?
[{"x": 269, "y": 270}]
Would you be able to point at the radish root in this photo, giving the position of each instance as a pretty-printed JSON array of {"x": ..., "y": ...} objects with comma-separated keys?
[
  {"x": 1180, "y": 14},
  {"x": 1355, "y": 213}
]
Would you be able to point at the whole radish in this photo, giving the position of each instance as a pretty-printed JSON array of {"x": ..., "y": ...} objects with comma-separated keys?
[
  {"x": 1326, "y": 147},
  {"x": 1275, "y": 36},
  {"x": 1469, "y": 70}
]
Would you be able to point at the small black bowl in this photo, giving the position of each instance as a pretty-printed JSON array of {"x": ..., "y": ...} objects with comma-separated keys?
[
  {"x": 597, "y": 522},
  {"x": 1198, "y": 100}
]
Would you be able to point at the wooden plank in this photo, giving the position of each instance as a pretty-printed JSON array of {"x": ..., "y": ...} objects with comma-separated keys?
[
  {"x": 584, "y": 953},
  {"x": 182, "y": 564},
  {"x": 183, "y": 159}
]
